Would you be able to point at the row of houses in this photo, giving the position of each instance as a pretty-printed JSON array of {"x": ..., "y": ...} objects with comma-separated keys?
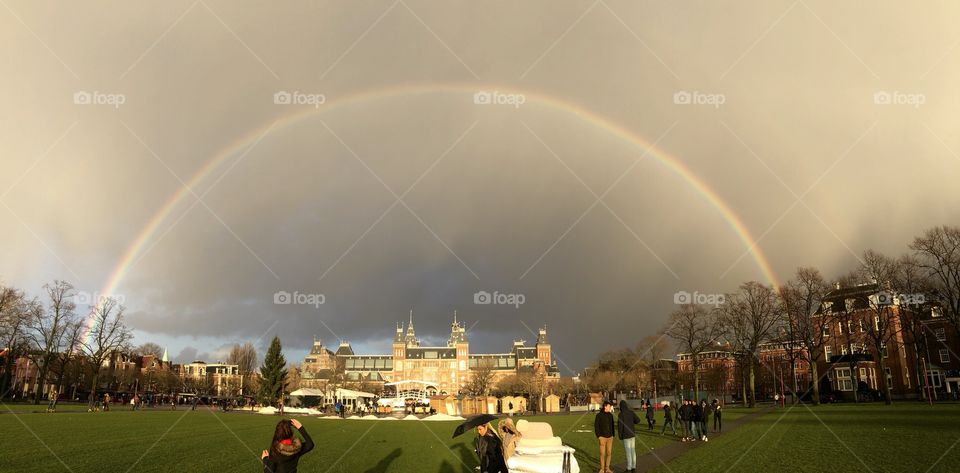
[
  {"x": 920, "y": 356},
  {"x": 129, "y": 373}
]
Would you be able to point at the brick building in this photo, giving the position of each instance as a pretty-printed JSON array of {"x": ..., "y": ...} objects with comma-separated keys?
[{"x": 448, "y": 367}]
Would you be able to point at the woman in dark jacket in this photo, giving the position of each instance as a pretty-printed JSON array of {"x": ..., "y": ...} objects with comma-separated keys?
[
  {"x": 626, "y": 419},
  {"x": 704, "y": 419},
  {"x": 285, "y": 450},
  {"x": 489, "y": 450}
]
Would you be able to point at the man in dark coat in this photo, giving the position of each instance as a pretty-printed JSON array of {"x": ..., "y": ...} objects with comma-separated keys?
[
  {"x": 695, "y": 416},
  {"x": 603, "y": 428},
  {"x": 489, "y": 450},
  {"x": 683, "y": 415},
  {"x": 626, "y": 419},
  {"x": 650, "y": 419},
  {"x": 704, "y": 419},
  {"x": 667, "y": 420}
]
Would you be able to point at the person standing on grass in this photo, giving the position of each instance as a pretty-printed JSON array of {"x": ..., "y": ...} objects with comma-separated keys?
[
  {"x": 694, "y": 419},
  {"x": 667, "y": 420},
  {"x": 489, "y": 450},
  {"x": 626, "y": 419},
  {"x": 285, "y": 450},
  {"x": 682, "y": 419},
  {"x": 650, "y": 419},
  {"x": 52, "y": 405},
  {"x": 717, "y": 411},
  {"x": 603, "y": 429},
  {"x": 280, "y": 406},
  {"x": 704, "y": 419}
]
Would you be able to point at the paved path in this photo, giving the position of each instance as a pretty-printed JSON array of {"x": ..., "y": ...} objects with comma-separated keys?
[{"x": 659, "y": 456}]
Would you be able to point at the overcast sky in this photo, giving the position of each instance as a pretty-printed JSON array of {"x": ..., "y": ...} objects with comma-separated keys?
[{"x": 393, "y": 185}]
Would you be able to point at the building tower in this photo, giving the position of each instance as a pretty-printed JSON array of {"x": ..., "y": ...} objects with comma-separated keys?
[
  {"x": 411, "y": 337},
  {"x": 458, "y": 340},
  {"x": 543, "y": 346}
]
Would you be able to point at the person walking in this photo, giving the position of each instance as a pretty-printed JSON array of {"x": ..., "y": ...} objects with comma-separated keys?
[
  {"x": 52, "y": 405},
  {"x": 603, "y": 429},
  {"x": 106, "y": 402},
  {"x": 489, "y": 450},
  {"x": 717, "y": 412},
  {"x": 704, "y": 419},
  {"x": 285, "y": 450},
  {"x": 280, "y": 406},
  {"x": 667, "y": 420},
  {"x": 650, "y": 419},
  {"x": 626, "y": 420}
]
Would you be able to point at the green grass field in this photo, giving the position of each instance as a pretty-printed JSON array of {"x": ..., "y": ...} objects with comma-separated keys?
[
  {"x": 199, "y": 441},
  {"x": 907, "y": 437}
]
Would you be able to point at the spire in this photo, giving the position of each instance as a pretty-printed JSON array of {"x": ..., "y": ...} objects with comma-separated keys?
[
  {"x": 411, "y": 337},
  {"x": 165, "y": 359}
]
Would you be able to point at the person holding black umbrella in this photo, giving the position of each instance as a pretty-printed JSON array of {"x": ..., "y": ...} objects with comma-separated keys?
[{"x": 490, "y": 450}]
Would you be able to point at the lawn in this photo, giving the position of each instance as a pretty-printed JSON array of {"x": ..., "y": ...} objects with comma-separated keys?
[
  {"x": 201, "y": 441},
  {"x": 905, "y": 437}
]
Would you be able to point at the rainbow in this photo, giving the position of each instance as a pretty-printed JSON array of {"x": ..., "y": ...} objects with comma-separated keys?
[{"x": 466, "y": 91}]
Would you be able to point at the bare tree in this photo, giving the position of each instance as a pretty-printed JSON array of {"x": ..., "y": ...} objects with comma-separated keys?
[
  {"x": 912, "y": 278},
  {"x": 938, "y": 252},
  {"x": 150, "y": 348},
  {"x": 884, "y": 326},
  {"x": 754, "y": 315},
  {"x": 70, "y": 351},
  {"x": 802, "y": 298},
  {"x": 15, "y": 310},
  {"x": 695, "y": 329},
  {"x": 481, "y": 378},
  {"x": 651, "y": 350},
  {"x": 107, "y": 336},
  {"x": 245, "y": 357},
  {"x": 47, "y": 328}
]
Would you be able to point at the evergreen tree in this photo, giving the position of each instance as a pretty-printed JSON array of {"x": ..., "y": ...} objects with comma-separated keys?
[{"x": 273, "y": 372}]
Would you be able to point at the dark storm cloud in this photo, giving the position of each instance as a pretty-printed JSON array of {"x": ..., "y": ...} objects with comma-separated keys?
[{"x": 800, "y": 149}]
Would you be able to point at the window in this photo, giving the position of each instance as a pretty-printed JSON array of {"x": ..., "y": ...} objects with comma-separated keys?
[
  {"x": 863, "y": 374},
  {"x": 828, "y": 352},
  {"x": 843, "y": 350},
  {"x": 876, "y": 324},
  {"x": 944, "y": 355},
  {"x": 843, "y": 379},
  {"x": 941, "y": 334},
  {"x": 860, "y": 324},
  {"x": 883, "y": 350},
  {"x": 936, "y": 312},
  {"x": 826, "y": 330},
  {"x": 889, "y": 379},
  {"x": 839, "y": 328}
]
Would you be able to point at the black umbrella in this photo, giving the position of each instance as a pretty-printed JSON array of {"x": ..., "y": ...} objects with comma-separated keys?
[{"x": 472, "y": 423}]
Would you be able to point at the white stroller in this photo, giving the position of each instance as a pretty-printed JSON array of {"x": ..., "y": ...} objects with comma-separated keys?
[{"x": 538, "y": 451}]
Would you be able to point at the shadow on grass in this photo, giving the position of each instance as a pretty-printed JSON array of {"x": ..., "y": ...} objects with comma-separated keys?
[{"x": 384, "y": 465}]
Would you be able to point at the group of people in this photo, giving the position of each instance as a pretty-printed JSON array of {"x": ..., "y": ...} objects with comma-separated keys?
[
  {"x": 693, "y": 417},
  {"x": 495, "y": 447}
]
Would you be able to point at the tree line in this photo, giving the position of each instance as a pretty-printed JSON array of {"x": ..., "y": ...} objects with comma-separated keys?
[{"x": 798, "y": 319}]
